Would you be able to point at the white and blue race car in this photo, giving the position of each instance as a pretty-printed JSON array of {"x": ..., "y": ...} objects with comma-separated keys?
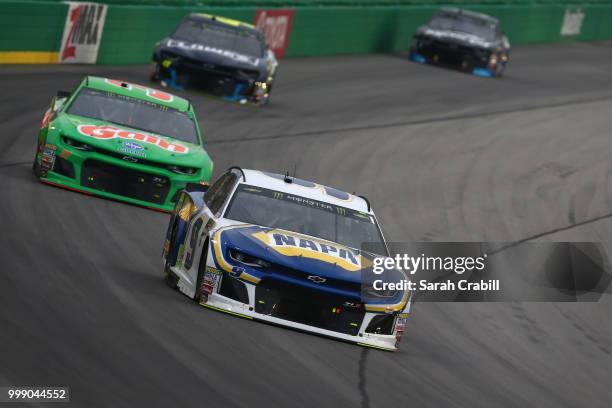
[{"x": 282, "y": 250}]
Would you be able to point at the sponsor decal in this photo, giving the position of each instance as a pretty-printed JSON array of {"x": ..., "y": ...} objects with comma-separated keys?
[
  {"x": 82, "y": 33},
  {"x": 205, "y": 48},
  {"x": 210, "y": 279},
  {"x": 307, "y": 247},
  {"x": 131, "y": 152},
  {"x": 47, "y": 161},
  {"x": 133, "y": 149},
  {"x": 340, "y": 195},
  {"x": 237, "y": 271},
  {"x": 179, "y": 257},
  {"x": 470, "y": 38},
  {"x": 132, "y": 146},
  {"x": 46, "y": 119},
  {"x": 276, "y": 25},
  {"x": 150, "y": 92},
  {"x": 207, "y": 287},
  {"x": 187, "y": 208},
  {"x": 399, "y": 330},
  {"x": 213, "y": 271},
  {"x": 191, "y": 241},
  {"x": 572, "y": 22},
  {"x": 110, "y": 132}
]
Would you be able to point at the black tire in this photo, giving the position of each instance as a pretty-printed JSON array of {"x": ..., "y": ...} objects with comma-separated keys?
[
  {"x": 499, "y": 67},
  {"x": 169, "y": 277},
  {"x": 198, "y": 296},
  {"x": 501, "y": 70},
  {"x": 154, "y": 74},
  {"x": 36, "y": 166}
]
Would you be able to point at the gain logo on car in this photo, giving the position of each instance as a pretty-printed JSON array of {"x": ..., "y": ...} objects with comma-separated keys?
[{"x": 110, "y": 132}]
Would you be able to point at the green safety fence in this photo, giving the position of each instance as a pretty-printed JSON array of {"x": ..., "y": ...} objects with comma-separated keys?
[
  {"x": 332, "y": 3},
  {"x": 32, "y": 28},
  {"x": 31, "y": 31}
]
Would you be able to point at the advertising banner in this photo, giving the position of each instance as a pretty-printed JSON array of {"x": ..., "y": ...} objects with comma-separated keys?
[
  {"x": 276, "y": 24},
  {"x": 82, "y": 33}
]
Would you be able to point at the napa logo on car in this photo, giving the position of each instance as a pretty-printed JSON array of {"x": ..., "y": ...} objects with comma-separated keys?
[
  {"x": 291, "y": 244},
  {"x": 110, "y": 132}
]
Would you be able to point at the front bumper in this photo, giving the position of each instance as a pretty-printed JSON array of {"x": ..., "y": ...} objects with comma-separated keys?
[
  {"x": 224, "y": 304},
  {"x": 301, "y": 309},
  {"x": 479, "y": 61},
  {"x": 180, "y": 73},
  {"x": 95, "y": 173}
]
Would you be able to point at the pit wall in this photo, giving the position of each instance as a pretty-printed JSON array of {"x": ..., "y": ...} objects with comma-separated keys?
[{"x": 32, "y": 31}]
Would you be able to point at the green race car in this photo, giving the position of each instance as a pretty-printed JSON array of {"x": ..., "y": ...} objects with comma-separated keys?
[{"x": 121, "y": 141}]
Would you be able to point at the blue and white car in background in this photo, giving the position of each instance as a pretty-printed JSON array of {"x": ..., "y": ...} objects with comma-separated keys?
[{"x": 283, "y": 250}]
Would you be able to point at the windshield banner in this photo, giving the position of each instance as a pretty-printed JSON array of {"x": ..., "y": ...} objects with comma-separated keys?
[
  {"x": 276, "y": 25},
  {"x": 82, "y": 33}
]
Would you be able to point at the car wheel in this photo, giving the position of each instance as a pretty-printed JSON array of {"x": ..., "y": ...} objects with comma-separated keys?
[
  {"x": 154, "y": 74},
  {"x": 199, "y": 296},
  {"x": 36, "y": 165},
  {"x": 169, "y": 277},
  {"x": 500, "y": 69}
]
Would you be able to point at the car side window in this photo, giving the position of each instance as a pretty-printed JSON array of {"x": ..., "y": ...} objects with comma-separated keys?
[{"x": 217, "y": 195}]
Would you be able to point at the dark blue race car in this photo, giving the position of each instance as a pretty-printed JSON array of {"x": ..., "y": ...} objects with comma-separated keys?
[
  {"x": 222, "y": 56},
  {"x": 472, "y": 41}
]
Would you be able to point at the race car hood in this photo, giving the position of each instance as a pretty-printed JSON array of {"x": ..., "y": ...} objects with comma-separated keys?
[
  {"x": 126, "y": 141},
  {"x": 300, "y": 260},
  {"x": 212, "y": 55},
  {"x": 297, "y": 252},
  {"x": 456, "y": 37}
]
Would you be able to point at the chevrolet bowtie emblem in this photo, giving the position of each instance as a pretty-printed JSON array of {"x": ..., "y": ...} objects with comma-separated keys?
[{"x": 316, "y": 279}]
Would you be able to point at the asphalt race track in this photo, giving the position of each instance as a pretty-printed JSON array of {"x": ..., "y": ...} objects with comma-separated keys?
[{"x": 442, "y": 156}]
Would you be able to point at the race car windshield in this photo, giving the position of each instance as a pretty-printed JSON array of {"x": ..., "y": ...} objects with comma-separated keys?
[
  {"x": 219, "y": 37},
  {"x": 464, "y": 24},
  {"x": 134, "y": 113},
  {"x": 274, "y": 209}
]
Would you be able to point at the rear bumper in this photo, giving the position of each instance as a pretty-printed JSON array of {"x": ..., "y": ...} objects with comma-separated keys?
[{"x": 109, "y": 177}]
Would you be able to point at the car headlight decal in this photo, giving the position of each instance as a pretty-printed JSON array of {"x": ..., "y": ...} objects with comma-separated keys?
[
  {"x": 249, "y": 260},
  {"x": 182, "y": 170},
  {"x": 76, "y": 144}
]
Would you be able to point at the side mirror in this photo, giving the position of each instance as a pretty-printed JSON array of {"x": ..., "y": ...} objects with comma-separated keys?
[{"x": 63, "y": 94}]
